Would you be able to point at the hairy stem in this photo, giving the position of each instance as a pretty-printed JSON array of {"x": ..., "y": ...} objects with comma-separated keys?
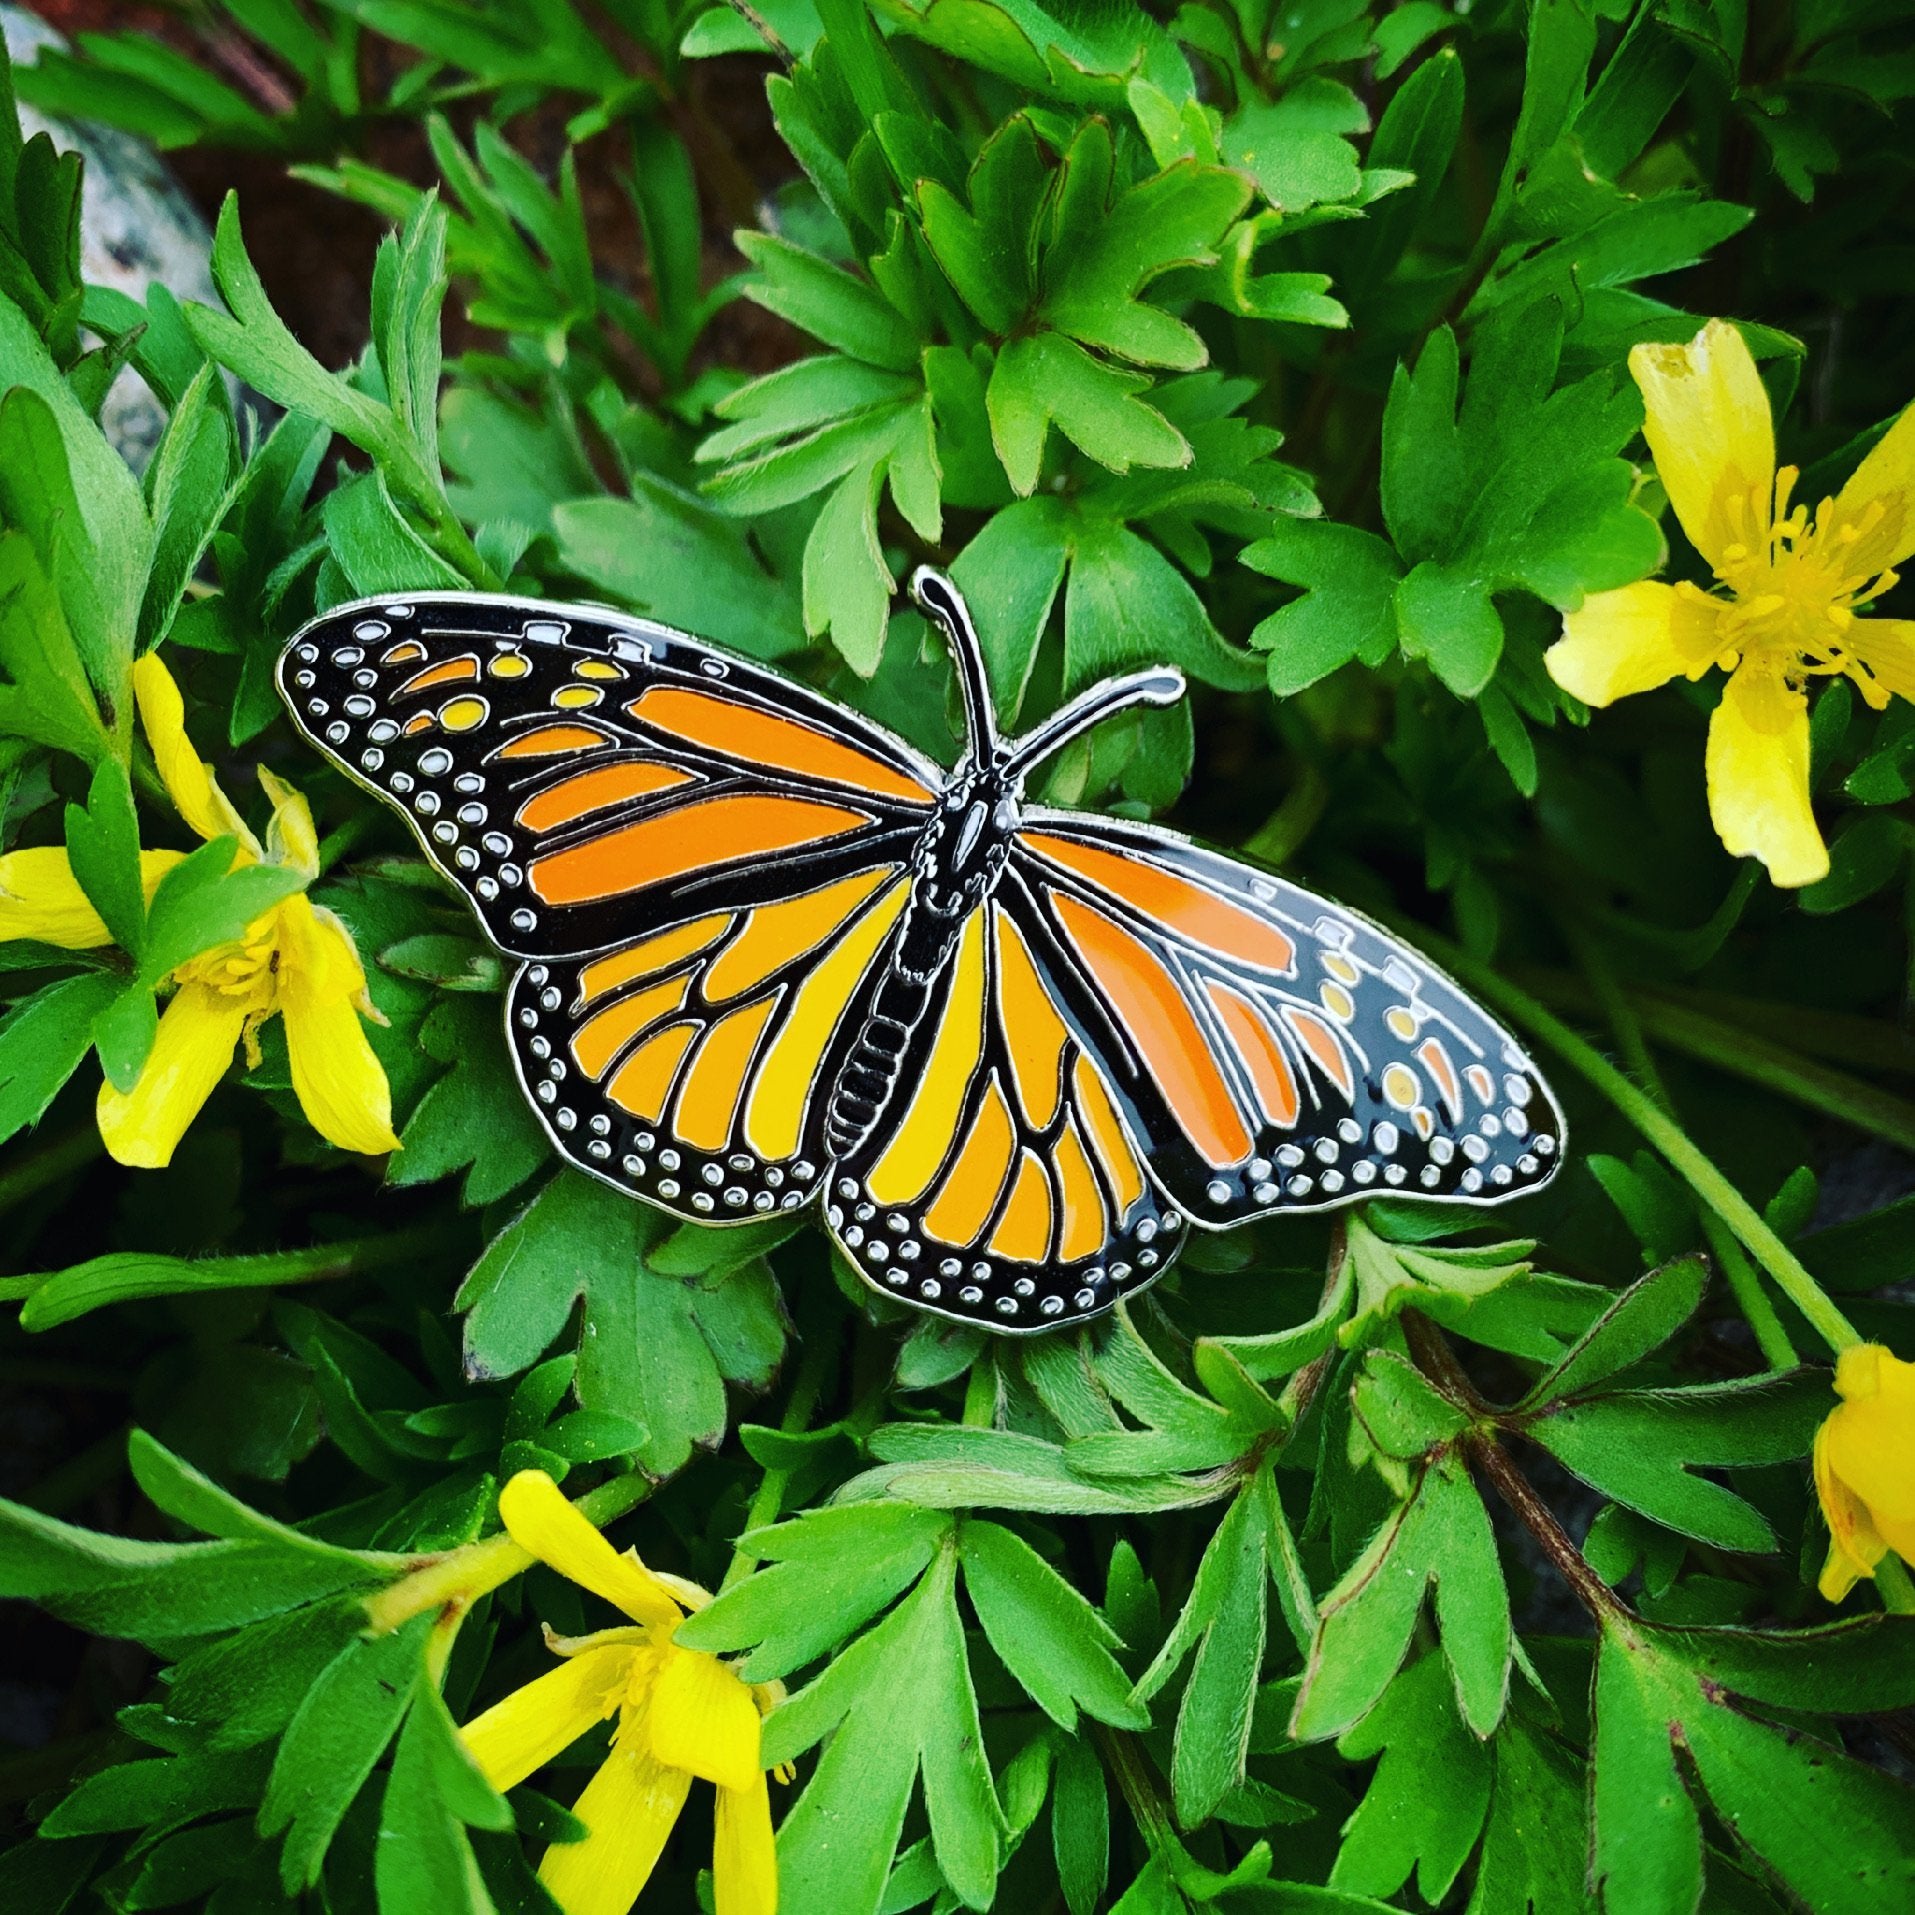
[
  {"x": 1685, "y": 1157},
  {"x": 452, "y": 1583},
  {"x": 1770, "y": 1336}
]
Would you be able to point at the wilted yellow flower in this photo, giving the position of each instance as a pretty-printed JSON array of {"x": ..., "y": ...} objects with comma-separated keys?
[
  {"x": 1865, "y": 1466},
  {"x": 681, "y": 1714},
  {"x": 1783, "y": 611},
  {"x": 296, "y": 960}
]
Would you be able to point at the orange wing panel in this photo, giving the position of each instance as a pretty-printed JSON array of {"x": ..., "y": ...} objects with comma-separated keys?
[
  {"x": 644, "y": 1080},
  {"x": 1153, "y": 1010},
  {"x": 1107, "y": 1135},
  {"x": 743, "y": 731},
  {"x": 452, "y": 672},
  {"x": 1320, "y": 1041},
  {"x": 589, "y": 791},
  {"x": 707, "y": 1105},
  {"x": 602, "y": 1036},
  {"x": 703, "y": 832},
  {"x": 1173, "y": 901},
  {"x": 1085, "y": 1226},
  {"x": 1023, "y": 1233},
  {"x": 774, "y": 934},
  {"x": 1270, "y": 1074},
  {"x": 1034, "y": 1034},
  {"x": 547, "y": 741},
  {"x": 971, "y": 1188},
  {"x": 649, "y": 955}
]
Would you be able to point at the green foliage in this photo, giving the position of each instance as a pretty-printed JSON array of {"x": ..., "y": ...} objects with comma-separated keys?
[{"x": 1394, "y": 1561}]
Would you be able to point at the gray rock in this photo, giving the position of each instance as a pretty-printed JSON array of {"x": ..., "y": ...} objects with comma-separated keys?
[{"x": 136, "y": 226}]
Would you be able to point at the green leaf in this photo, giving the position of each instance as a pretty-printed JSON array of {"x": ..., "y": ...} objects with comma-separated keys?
[
  {"x": 1829, "y": 1827},
  {"x": 1427, "y": 1797},
  {"x": 1440, "y": 1534},
  {"x": 113, "y": 537},
  {"x": 159, "y": 1592},
  {"x": 669, "y": 556},
  {"x": 189, "y": 486},
  {"x": 1043, "y": 378},
  {"x": 1347, "y": 607},
  {"x": 1642, "y": 1319},
  {"x": 473, "y": 1118},
  {"x": 206, "y": 900},
  {"x": 1295, "y": 147},
  {"x": 424, "y": 1858},
  {"x": 824, "y": 300},
  {"x": 103, "y": 847},
  {"x": 372, "y": 543},
  {"x": 333, "y": 1742},
  {"x": 45, "y": 695},
  {"x": 44, "y": 1039},
  {"x": 918, "y": 1708},
  {"x": 830, "y": 1571},
  {"x": 640, "y": 1337},
  {"x": 1639, "y": 1448},
  {"x": 1045, "y": 1633},
  {"x": 157, "y": 1795},
  {"x": 1080, "y": 1825}
]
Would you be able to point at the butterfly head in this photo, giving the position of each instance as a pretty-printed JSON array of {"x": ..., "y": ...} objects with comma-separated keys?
[{"x": 1012, "y": 760}]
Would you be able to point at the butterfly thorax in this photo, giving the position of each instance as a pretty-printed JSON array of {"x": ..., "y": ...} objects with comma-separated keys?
[{"x": 955, "y": 866}]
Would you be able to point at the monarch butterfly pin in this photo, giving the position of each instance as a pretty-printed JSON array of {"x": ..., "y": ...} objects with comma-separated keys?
[{"x": 770, "y": 953}]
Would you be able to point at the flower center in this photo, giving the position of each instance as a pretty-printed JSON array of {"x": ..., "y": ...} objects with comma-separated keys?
[
  {"x": 1795, "y": 579},
  {"x": 246, "y": 969}
]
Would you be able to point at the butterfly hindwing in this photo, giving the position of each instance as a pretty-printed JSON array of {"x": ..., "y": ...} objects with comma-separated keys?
[
  {"x": 584, "y": 777},
  {"x": 693, "y": 1067},
  {"x": 1274, "y": 1051},
  {"x": 1001, "y": 1183}
]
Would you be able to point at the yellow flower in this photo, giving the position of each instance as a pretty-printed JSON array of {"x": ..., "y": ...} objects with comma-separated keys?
[
  {"x": 297, "y": 961},
  {"x": 1783, "y": 611},
  {"x": 1865, "y": 1466},
  {"x": 680, "y": 1714}
]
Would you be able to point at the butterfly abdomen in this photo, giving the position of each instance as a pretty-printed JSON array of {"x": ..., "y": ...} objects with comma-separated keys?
[{"x": 869, "y": 1075}]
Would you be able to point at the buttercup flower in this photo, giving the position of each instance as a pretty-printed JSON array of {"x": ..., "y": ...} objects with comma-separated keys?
[
  {"x": 1865, "y": 1466},
  {"x": 1783, "y": 611},
  {"x": 297, "y": 961},
  {"x": 680, "y": 1714}
]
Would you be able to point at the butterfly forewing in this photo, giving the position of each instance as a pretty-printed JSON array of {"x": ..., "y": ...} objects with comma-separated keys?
[
  {"x": 1002, "y": 1183},
  {"x": 584, "y": 778},
  {"x": 1273, "y": 1050}
]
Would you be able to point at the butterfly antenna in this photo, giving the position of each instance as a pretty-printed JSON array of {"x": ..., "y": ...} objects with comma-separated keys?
[
  {"x": 945, "y": 603},
  {"x": 1160, "y": 685}
]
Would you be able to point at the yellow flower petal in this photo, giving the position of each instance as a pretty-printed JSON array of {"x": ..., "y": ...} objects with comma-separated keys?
[
  {"x": 1758, "y": 765},
  {"x": 1854, "y": 1547},
  {"x": 529, "y": 1727},
  {"x": 703, "y": 1719},
  {"x": 1633, "y": 640},
  {"x": 197, "y": 1033},
  {"x": 1708, "y": 426},
  {"x": 1879, "y": 501},
  {"x": 341, "y": 1085},
  {"x": 1886, "y": 648},
  {"x": 629, "y": 1807},
  {"x": 41, "y": 898},
  {"x": 290, "y": 837},
  {"x": 744, "y": 1857},
  {"x": 194, "y": 790},
  {"x": 541, "y": 1520},
  {"x": 1869, "y": 1440}
]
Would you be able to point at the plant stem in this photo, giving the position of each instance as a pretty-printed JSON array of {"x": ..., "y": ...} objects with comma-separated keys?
[
  {"x": 1437, "y": 1360},
  {"x": 1893, "y": 1585},
  {"x": 452, "y": 1583},
  {"x": 769, "y": 1501},
  {"x": 1695, "y": 1167},
  {"x": 1770, "y": 1336}
]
